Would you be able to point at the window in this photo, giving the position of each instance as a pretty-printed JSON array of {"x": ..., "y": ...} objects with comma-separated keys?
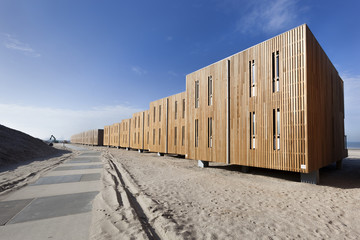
[
  {"x": 276, "y": 129},
  {"x": 159, "y": 113},
  {"x": 197, "y": 94},
  {"x": 210, "y": 90},
  {"x": 175, "y": 109},
  {"x": 210, "y": 132},
  {"x": 183, "y": 108},
  {"x": 154, "y": 113},
  {"x": 154, "y": 136},
  {"x": 138, "y": 137},
  {"x": 159, "y": 136},
  {"x": 134, "y": 137},
  {"x": 275, "y": 71},
  {"x": 175, "y": 135},
  {"x": 252, "y": 130},
  {"x": 196, "y": 132},
  {"x": 139, "y": 121},
  {"x": 135, "y": 123},
  {"x": 252, "y": 78},
  {"x": 148, "y": 137},
  {"x": 182, "y": 135}
]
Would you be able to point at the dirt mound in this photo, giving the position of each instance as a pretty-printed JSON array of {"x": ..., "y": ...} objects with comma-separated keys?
[{"x": 16, "y": 146}]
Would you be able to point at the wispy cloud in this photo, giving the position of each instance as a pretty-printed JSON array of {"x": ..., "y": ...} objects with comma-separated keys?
[
  {"x": 169, "y": 38},
  {"x": 138, "y": 70},
  {"x": 10, "y": 42},
  {"x": 352, "y": 106},
  {"x": 172, "y": 73},
  {"x": 42, "y": 122},
  {"x": 268, "y": 16}
]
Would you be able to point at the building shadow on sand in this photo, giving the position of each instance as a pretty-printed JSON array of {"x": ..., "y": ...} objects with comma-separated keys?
[{"x": 346, "y": 178}]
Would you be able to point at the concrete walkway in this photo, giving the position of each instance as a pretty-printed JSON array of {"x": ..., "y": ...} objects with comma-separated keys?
[{"x": 58, "y": 205}]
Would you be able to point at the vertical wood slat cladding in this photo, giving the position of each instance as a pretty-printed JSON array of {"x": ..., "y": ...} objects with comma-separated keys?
[
  {"x": 216, "y": 111},
  {"x": 137, "y": 130},
  {"x": 146, "y": 132},
  {"x": 125, "y": 131},
  {"x": 106, "y": 136},
  {"x": 91, "y": 137},
  {"x": 325, "y": 103},
  {"x": 176, "y": 146},
  {"x": 158, "y": 126},
  {"x": 291, "y": 119},
  {"x": 115, "y": 135},
  {"x": 309, "y": 96}
]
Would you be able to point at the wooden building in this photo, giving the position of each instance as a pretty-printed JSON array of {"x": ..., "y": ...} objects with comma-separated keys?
[
  {"x": 278, "y": 105},
  {"x": 176, "y": 124},
  {"x": 125, "y": 136},
  {"x": 146, "y": 134},
  {"x": 137, "y": 131},
  {"x": 107, "y": 135},
  {"x": 115, "y": 135},
  {"x": 91, "y": 137},
  {"x": 158, "y": 126}
]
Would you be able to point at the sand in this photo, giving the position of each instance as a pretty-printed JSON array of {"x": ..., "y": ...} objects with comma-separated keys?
[
  {"x": 150, "y": 197},
  {"x": 16, "y": 146},
  {"x": 25, "y": 171}
]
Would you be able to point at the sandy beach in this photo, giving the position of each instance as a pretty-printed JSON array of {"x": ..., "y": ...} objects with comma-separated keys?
[{"x": 146, "y": 196}]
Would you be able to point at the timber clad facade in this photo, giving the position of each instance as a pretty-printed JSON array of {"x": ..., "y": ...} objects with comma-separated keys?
[{"x": 277, "y": 105}]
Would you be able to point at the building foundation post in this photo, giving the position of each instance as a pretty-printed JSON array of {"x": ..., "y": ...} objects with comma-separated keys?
[
  {"x": 312, "y": 177},
  {"x": 203, "y": 164}
]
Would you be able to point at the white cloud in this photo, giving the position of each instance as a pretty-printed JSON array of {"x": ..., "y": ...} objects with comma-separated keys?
[
  {"x": 172, "y": 73},
  {"x": 62, "y": 123},
  {"x": 352, "y": 105},
  {"x": 138, "y": 70},
  {"x": 268, "y": 16},
  {"x": 10, "y": 42}
]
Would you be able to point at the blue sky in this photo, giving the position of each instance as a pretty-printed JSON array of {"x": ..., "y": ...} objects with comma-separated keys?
[{"x": 67, "y": 66}]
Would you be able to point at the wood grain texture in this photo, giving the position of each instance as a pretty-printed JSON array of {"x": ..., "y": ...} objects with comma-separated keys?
[
  {"x": 158, "y": 126},
  {"x": 125, "y": 137},
  {"x": 137, "y": 131},
  {"x": 176, "y": 121}
]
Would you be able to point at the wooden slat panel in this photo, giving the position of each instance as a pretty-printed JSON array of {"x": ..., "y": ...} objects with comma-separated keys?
[{"x": 176, "y": 146}]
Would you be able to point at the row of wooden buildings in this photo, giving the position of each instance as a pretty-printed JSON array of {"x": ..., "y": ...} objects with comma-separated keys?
[{"x": 276, "y": 105}]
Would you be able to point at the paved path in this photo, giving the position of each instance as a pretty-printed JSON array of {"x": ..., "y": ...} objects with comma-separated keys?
[{"x": 56, "y": 206}]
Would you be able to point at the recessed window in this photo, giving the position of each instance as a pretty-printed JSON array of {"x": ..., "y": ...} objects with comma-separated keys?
[
  {"x": 252, "y": 78},
  {"x": 138, "y": 137},
  {"x": 275, "y": 71},
  {"x": 197, "y": 94},
  {"x": 159, "y": 113},
  {"x": 196, "y": 132},
  {"x": 210, "y": 90},
  {"x": 276, "y": 129},
  {"x": 139, "y": 121},
  {"x": 182, "y": 135},
  {"x": 148, "y": 137},
  {"x": 252, "y": 130},
  {"x": 135, "y": 123},
  {"x": 134, "y": 137},
  {"x": 159, "y": 136},
  {"x": 154, "y": 136},
  {"x": 154, "y": 113},
  {"x": 175, "y": 135},
  {"x": 183, "y": 108},
  {"x": 175, "y": 109},
  {"x": 210, "y": 131}
]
